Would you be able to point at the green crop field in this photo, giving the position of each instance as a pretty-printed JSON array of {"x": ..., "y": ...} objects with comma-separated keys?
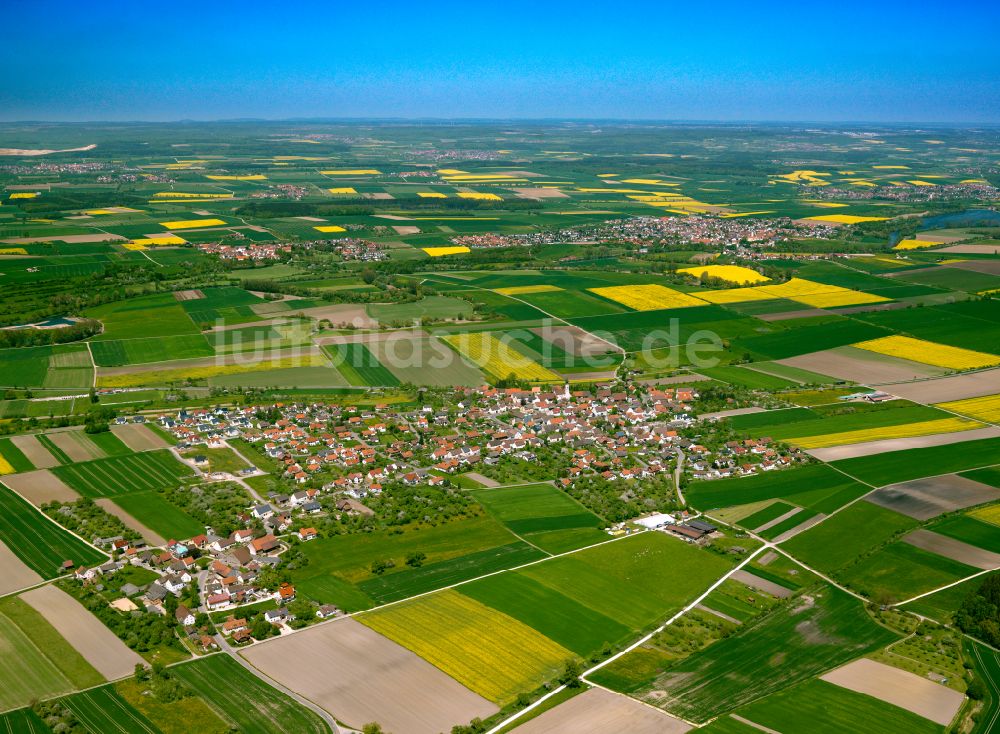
[
  {"x": 118, "y": 475},
  {"x": 986, "y": 662},
  {"x": 359, "y": 365},
  {"x": 14, "y": 457},
  {"x": 395, "y": 586},
  {"x": 160, "y": 516},
  {"x": 337, "y": 563},
  {"x": 769, "y": 513},
  {"x": 37, "y": 662},
  {"x": 138, "y": 318},
  {"x": 426, "y": 362},
  {"x": 793, "y": 342},
  {"x": 150, "y": 349},
  {"x": 971, "y": 531},
  {"x": 796, "y": 641},
  {"x": 824, "y": 708},
  {"x": 103, "y": 710},
  {"x": 243, "y": 698},
  {"x": 747, "y": 378},
  {"x": 572, "y": 624},
  {"x": 761, "y": 423},
  {"x": 900, "y": 571},
  {"x": 816, "y": 487},
  {"x": 40, "y": 544},
  {"x": 22, "y": 721},
  {"x": 845, "y": 537},
  {"x": 942, "y": 605},
  {"x": 544, "y": 516},
  {"x": 902, "y": 466},
  {"x": 638, "y": 581}
]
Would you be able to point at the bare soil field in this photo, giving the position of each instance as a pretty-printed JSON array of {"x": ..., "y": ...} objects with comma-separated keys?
[
  {"x": 779, "y": 519},
  {"x": 573, "y": 340},
  {"x": 731, "y": 413},
  {"x": 800, "y": 528},
  {"x": 540, "y": 193},
  {"x": 34, "y": 451},
  {"x": 76, "y": 445},
  {"x": 112, "y": 509},
  {"x": 972, "y": 249},
  {"x": 599, "y": 711},
  {"x": 70, "y": 239},
  {"x": 899, "y": 688},
  {"x": 406, "y": 229},
  {"x": 356, "y": 316},
  {"x": 359, "y": 676},
  {"x": 857, "y": 365},
  {"x": 956, "y": 550},
  {"x": 943, "y": 389},
  {"x": 15, "y": 574},
  {"x": 869, "y": 448},
  {"x": 39, "y": 487},
  {"x": 485, "y": 481},
  {"x": 756, "y": 582},
  {"x": 923, "y": 499},
  {"x": 189, "y": 295},
  {"x": 98, "y": 645},
  {"x": 138, "y": 437}
]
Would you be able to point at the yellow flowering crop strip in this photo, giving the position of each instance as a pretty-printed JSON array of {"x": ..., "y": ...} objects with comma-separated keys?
[
  {"x": 343, "y": 190},
  {"x": 989, "y": 514},
  {"x": 907, "y": 430},
  {"x": 352, "y": 172},
  {"x": 986, "y": 408},
  {"x": 193, "y": 223},
  {"x": 914, "y": 244},
  {"x": 485, "y": 650},
  {"x": 13, "y": 251},
  {"x": 479, "y": 196},
  {"x": 24, "y": 195},
  {"x": 182, "y": 374},
  {"x": 647, "y": 297},
  {"x": 522, "y": 290},
  {"x": 499, "y": 359},
  {"x": 431, "y": 195},
  {"x": 442, "y": 251},
  {"x": 729, "y": 273},
  {"x": 5, "y": 467},
  {"x": 925, "y": 352},
  {"x": 189, "y": 195},
  {"x": 329, "y": 228},
  {"x": 255, "y": 177},
  {"x": 838, "y": 299},
  {"x": 846, "y": 219}
]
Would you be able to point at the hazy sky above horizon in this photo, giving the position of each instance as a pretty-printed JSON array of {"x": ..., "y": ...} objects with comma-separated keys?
[{"x": 886, "y": 61}]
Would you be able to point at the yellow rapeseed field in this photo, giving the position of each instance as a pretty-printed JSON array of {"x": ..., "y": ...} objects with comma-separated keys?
[
  {"x": 485, "y": 650},
  {"x": 647, "y": 297},
  {"x": 13, "y": 251},
  {"x": 352, "y": 172},
  {"x": 188, "y": 195},
  {"x": 182, "y": 374},
  {"x": 431, "y": 195},
  {"x": 343, "y": 190},
  {"x": 442, "y": 251},
  {"x": 908, "y": 430},
  {"x": 838, "y": 299},
  {"x": 254, "y": 177},
  {"x": 193, "y": 223},
  {"x": 914, "y": 244},
  {"x": 846, "y": 219},
  {"x": 736, "y": 295},
  {"x": 925, "y": 352},
  {"x": 989, "y": 514},
  {"x": 986, "y": 408},
  {"x": 730, "y": 273},
  {"x": 479, "y": 196},
  {"x": 521, "y": 290},
  {"x": 5, "y": 467},
  {"x": 329, "y": 228},
  {"x": 24, "y": 195},
  {"x": 499, "y": 359}
]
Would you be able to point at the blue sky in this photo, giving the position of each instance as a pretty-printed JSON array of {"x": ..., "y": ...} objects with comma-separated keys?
[{"x": 667, "y": 60}]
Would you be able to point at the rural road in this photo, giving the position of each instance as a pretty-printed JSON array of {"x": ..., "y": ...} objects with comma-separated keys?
[{"x": 677, "y": 476}]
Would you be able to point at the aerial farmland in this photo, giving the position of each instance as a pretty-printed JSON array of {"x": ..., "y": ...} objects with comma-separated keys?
[{"x": 499, "y": 427}]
